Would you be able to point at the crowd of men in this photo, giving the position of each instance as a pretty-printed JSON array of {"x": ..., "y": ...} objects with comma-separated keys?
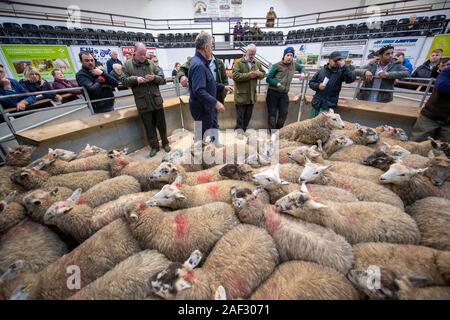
[{"x": 208, "y": 84}]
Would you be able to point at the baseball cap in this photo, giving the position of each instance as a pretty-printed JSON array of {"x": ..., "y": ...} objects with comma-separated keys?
[{"x": 336, "y": 55}]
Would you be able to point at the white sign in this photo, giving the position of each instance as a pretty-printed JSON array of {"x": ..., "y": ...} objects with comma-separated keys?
[
  {"x": 353, "y": 50},
  {"x": 410, "y": 46},
  {"x": 101, "y": 53},
  {"x": 219, "y": 10}
]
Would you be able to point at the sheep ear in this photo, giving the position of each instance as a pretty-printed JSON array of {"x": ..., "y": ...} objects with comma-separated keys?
[
  {"x": 10, "y": 197},
  {"x": 307, "y": 161},
  {"x": 315, "y": 205},
  {"x": 284, "y": 182},
  {"x": 125, "y": 150},
  {"x": 178, "y": 180},
  {"x": 233, "y": 191},
  {"x": 220, "y": 294},
  {"x": 193, "y": 261},
  {"x": 180, "y": 197},
  {"x": 75, "y": 195},
  {"x": 39, "y": 166},
  {"x": 385, "y": 147},
  {"x": 421, "y": 170},
  {"x": 258, "y": 190},
  {"x": 431, "y": 155},
  {"x": 50, "y": 150},
  {"x": 303, "y": 188}
]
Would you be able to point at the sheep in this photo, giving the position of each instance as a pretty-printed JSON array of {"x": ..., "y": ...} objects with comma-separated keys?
[
  {"x": 311, "y": 130},
  {"x": 432, "y": 216},
  {"x": 90, "y": 151},
  {"x": 288, "y": 172},
  {"x": 362, "y": 189},
  {"x": 301, "y": 280},
  {"x": 409, "y": 290},
  {"x": 31, "y": 242},
  {"x": 421, "y": 148},
  {"x": 55, "y": 166},
  {"x": 167, "y": 173},
  {"x": 392, "y": 133},
  {"x": 410, "y": 185},
  {"x": 109, "y": 190},
  {"x": 334, "y": 143},
  {"x": 381, "y": 160},
  {"x": 299, "y": 154},
  {"x": 397, "y": 260},
  {"x": 93, "y": 258},
  {"x": 359, "y": 136},
  {"x": 184, "y": 158},
  {"x": 295, "y": 239},
  {"x": 440, "y": 147},
  {"x": 354, "y": 153},
  {"x": 439, "y": 169},
  {"x": 178, "y": 196},
  {"x": 128, "y": 280},
  {"x": 38, "y": 201},
  {"x": 110, "y": 211},
  {"x": 176, "y": 233},
  {"x": 355, "y": 221},
  {"x": 240, "y": 261},
  {"x": 35, "y": 178},
  {"x": 11, "y": 213}
]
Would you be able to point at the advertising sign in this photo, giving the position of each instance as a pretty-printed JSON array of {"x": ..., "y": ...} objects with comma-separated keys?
[
  {"x": 410, "y": 46},
  {"x": 353, "y": 50}
]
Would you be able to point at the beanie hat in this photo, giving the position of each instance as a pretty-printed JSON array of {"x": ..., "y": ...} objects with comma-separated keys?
[{"x": 289, "y": 50}]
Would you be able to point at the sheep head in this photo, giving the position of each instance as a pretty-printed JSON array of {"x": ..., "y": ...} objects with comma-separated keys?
[
  {"x": 442, "y": 147},
  {"x": 368, "y": 134},
  {"x": 61, "y": 207},
  {"x": 62, "y": 154},
  {"x": 170, "y": 196},
  {"x": 340, "y": 142},
  {"x": 379, "y": 159},
  {"x": 19, "y": 156},
  {"x": 439, "y": 170},
  {"x": 399, "y": 173},
  {"x": 299, "y": 199},
  {"x": 174, "y": 156},
  {"x": 29, "y": 178},
  {"x": 375, "y": 282},
  {"x": 7, "y": 200},
  {"x": 166, "y": 172},
  {"x": 312, "y": 171},
  {"x": 394, "y": 151},
  {"x": 395, "y": 133},
  {"x": 37, "y": 197},
  {"x": 90, "y": 151},
  {"x": 170, "y": 281},
  {"x": 12, "y": 271},
  {"x": 235, "y": 171},
  {"x": 269, "y": 177},
  {"x": 300, "y": 154},
  {"x": 334, "y": 120}
]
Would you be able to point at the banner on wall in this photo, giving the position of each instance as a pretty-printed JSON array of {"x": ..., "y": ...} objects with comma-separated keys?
[
  {"x": 353, "y": 49},
  {"x": 308, "y": 53},
  {"x": 128, "y": 52},
  {"x": 229, "y": 60},
  {"x": 441, "y": 42},
  {"x": 43, "y": 58},
  {"x": 101, "y": 53},
  {"x": 217, "y": 10},
  {"x": 410, "y": 46}
]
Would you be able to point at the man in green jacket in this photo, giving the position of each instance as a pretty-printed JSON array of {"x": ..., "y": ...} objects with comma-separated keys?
[
  {"x": 279, "y": 79},
  {"x": 246, "y": 72},
  {"x": 141, "y": 75}
]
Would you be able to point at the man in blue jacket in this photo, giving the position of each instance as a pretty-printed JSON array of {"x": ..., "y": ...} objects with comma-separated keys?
[
  {"x": 400, "y": 58},
  {"x": 203, "y": 88},
  {"x": 10, "y": 87}
]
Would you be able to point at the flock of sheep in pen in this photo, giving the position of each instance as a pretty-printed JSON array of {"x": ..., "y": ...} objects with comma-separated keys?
[{"x": 342, "y": 200}]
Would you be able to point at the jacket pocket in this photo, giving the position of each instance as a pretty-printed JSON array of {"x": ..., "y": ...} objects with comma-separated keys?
[{"x": 158, "y": 100}]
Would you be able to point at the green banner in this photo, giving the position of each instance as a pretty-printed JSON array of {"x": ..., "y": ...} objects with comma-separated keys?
[
  {"x": 43, "y": 58},
  {"x": 441, "y": 42}
]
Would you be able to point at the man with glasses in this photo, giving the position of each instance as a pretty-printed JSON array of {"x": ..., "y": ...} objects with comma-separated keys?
[
  {"x": 381, "y": 74},
  {"x": 327, "y": 83},
  {"x": 97, "y": 82}
]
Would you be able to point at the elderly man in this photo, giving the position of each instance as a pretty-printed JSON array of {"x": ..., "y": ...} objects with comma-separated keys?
[
  {"x": 114, "y": 60},
  {"x": 381, "y": 74},
  {"x": 425, "y": 70},
  {"x": 10, "y": 87},
  {"x": 246, "y": 72},
  {"x": 116, "y": 72},
  {"x": 97, "y": 82},
  {"x": 203, "y": 88},
  {"x": 141, "y": 75}
]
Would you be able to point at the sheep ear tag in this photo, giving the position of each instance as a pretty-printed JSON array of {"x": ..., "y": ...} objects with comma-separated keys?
[
  {"x": 193, "y": 260},
  {"x": 220, "y": 294},
  {"x": 75, "y": 195},
  {"x": 10, "y": 197}
]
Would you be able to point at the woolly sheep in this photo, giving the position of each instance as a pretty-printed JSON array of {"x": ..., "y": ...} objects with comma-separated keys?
[
  {"x": 167, "y": 173},
  {"x": 440, "y": 147},
  {"x": 56, "y": 166},
  {"x": 288, "y": 172},
  {"x": 359, "y": 136},
  {"x": 409, "y": 290},
  {"x": 432, "y": 216},
  {"x": 240, "y": 261},
  {"x": 94, "y": 257},
  {"x": 295, "y": 239},
  {"x": 90, "y": 151},
  {"x": 179, "y": 196},
  {"x": 176, "y": 233},
  {"x": 38, "y": 201},
  {"x": 395, "y": 261},
  {"x": 11, "y": 213},
  {"x": 421, "y": 148},
  {"x": 311, "y": 130},
  {"x": 355, "y": 221},
  {"x": 382, "y": 160},
  {"x": 362, "y": 189},
  {"x": 31, "y": 242},
  {"x": 410, "y": 185},
  {"x": 334, "y": 144},
  {"x": 128, "y": 280},
  {"x": 35, "y": 178},
  {"x": 301, "y": 280},
  {"x": 393, "y": 133},
  {"x": 299, "y": 155},
  {"x": 354, "y": 153}
]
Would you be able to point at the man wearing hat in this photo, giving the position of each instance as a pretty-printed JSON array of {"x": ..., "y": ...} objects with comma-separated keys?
[
  {"x": 381, "y": 74},
  {"x": 327, "y": 83},
  {"x": 279, "y": 79}
]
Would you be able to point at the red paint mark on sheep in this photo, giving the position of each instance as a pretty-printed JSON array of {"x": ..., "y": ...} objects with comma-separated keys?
[
  {"x": 345, "y": 186},
  {"x": 237, "y": 285},
  {"x": 204, "y": 177},
  {"x": 82, "y": 200},
  {"x": 213, "y": 191},
  {"x": 284, "y": 159},
  {"x": 189, "y": 276},
  {"x": 272, "y": 221},
  {"x": 141, "y": 207},
  {"x": 178, "y": 185},
  {"x": 181, "y": 227},
  {"x": 121, "y": 162},
  {"x": 437, "y": 191}
]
